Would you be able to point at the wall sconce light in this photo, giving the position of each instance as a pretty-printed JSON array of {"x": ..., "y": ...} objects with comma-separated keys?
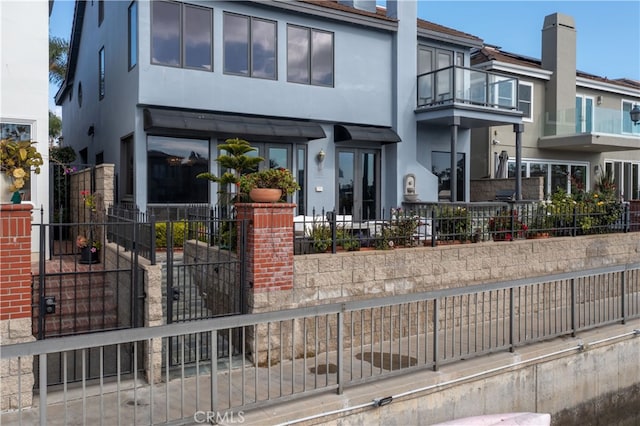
[
  {"x": 91, "y": 130},
  {"x": 599, "y": 99},
  {"x": 635, "y": 114},
  {"x": 320, "y": 156}
]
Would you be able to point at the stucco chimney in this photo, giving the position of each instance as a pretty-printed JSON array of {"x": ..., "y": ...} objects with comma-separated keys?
[
  {"x": 559, "y": 56},
  {"x": 368, "y": 5}
]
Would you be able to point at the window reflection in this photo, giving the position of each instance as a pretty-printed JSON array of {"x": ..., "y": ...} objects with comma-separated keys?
[
  {"x": 197, "y": 38},
  {"x": 263, "y": 49},
  {"x": 309, "y": 56},
  {"x": 173, "y": 165},
  {"x": 236, "y": 44},
  {"x": 165, "y": 33}
]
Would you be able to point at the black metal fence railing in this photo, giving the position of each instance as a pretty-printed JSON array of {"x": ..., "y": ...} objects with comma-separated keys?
[
  {"x": 430, "y": 224},
  {"x": 133, "y": 230}
]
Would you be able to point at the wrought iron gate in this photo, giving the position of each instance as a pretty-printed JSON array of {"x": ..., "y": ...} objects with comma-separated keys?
[
  {"x": 72, "y": 296},
  {"x": 204, "y": 280}
]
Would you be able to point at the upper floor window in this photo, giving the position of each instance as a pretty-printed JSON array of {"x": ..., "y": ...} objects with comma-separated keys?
[
  {"x": 627, "y": 125},
  {"x": 101, "y": 73},
  {"x": 525, "y": 100},
  {"x": 584, "y": 114},
  {"x": 309, "y": 56},
  {"x": 133, "y": 34},
  {"x": 250, "y": 46},
  {"x": 100, "y": 12},
  {"x": 181, "y": 35}
]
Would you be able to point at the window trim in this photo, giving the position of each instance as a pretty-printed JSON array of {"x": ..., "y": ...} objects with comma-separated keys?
[
  {"x": 310, "y": 31},
  {"x": 526, "y": 163},
  {"x": 183, "y": 50},
  {"x": 583, "y": 125},
  {"x": 527, "y": 83},
  {"x": 179, "y": 34},
  {"x": 250, "y": 71}
]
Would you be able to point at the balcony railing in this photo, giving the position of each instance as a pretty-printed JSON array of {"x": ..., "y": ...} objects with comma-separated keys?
[
  {"x": 469, "y": 86},
  {"x": 601, "y": 120}
]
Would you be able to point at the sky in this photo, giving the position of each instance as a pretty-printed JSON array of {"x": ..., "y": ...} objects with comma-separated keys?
[{"x": 608, "y": 32}]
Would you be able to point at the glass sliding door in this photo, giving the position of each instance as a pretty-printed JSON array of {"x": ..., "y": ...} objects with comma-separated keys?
[{"x": 358, "y": 184}]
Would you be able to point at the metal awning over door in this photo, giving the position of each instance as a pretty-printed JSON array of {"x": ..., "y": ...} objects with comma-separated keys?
[
  {"x": 158, "y": 120},
  {"x": 383, "y": 135}
]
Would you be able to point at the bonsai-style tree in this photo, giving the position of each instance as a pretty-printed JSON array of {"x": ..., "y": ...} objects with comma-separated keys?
[{"x": 235, "y": 160}]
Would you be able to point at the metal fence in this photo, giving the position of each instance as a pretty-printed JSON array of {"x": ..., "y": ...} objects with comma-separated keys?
[
  {"x": 295, "y": 353},
  {"x": 430, "y": 224}
]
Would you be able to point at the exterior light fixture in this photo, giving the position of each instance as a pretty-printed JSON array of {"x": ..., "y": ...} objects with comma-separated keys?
[
  {"x": 320, "y": 155},
  {"x": 635, "y": 114}
]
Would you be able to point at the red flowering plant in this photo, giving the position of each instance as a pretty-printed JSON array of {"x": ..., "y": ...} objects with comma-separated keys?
[
  {"x": 93, "y": 203},
  {"x": 506, "y": 226}
]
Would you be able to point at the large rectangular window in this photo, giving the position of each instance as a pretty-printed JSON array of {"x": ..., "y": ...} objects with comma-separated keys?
[
  {"x": 181, "y": 35},
  {"x": 172, "y": 167},
  {"x": 133, "y": 34},
  {"x": 310, "y": 56},
  {"x": 250, "y": 46},
  {"x": 525, "y": 100},
  {"x": 101, "y": 75},
  {"x": 568, "y": 176},
  {"x": 198, "y": 33}
]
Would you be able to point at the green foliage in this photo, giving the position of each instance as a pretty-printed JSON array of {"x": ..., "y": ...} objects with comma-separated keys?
[
  {"x": 506, "y": 225},
  {"x": 321, "y": 236},
  {"x": 58, "y": 51},
  {"x": 402, "y": 227},
  {"x": 179, "y": 229},
  {"x": 270, "y": 178},
  {"x": 453, "y": 223},
  {"x": 591, "y": 211},
  {"x": 17, "y": 159},
  {"x": 55, "y": 125}
]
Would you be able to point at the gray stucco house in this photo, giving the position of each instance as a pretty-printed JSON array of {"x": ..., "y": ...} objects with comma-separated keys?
[
  {"x": 153, "y": 87},
  {"x": 577, "y": 125}
]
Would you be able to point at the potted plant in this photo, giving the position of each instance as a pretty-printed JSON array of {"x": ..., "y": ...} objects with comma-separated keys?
[
  {"x": 279, "y": 182},
  {"x": 91, "y": 242},
  {"x": 17, "y": 160}
]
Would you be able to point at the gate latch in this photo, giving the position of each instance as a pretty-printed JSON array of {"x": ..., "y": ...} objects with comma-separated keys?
[
  {"x": 175, "y": 294},
  {"x": 49, "y": 305}
]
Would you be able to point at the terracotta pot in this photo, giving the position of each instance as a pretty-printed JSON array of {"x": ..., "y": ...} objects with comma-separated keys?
[{"x": 265, "y": 195}]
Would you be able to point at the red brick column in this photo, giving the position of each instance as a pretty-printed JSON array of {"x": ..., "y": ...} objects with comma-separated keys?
[
  {"x": 15, "y": 302},
  {"x": 269, "y": 248},
  {"x": 15, "y": 261}
]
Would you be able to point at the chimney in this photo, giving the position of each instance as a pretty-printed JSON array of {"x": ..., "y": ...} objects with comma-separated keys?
[
  {"x": 366, "y": 5},
  {"x": 559, "y": 57}
]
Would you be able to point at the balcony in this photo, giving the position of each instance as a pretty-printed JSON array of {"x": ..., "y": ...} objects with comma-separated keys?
[
  {"x": 601, "y": 130},
  {"x": 478, "y": 98}
]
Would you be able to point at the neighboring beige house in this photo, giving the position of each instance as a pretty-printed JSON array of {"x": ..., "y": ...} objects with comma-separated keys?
[
  {"x": 24, "y": 86},
  {"x": 575, "y": 123}
]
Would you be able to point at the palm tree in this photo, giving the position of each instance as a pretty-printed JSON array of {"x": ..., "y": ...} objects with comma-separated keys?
[{"x": 58, "y": 49}]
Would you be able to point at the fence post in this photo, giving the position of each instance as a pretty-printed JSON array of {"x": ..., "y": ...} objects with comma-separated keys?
[
  {"x": 15, "y": 303},
  {"x": 573, "y": 307},
  {"x": 331, "y": 218},
  {"x": 574, "y": 227},
  {"x": 434, "y": 226},
  {"x": 339, "y": 360},
  {"x": 152, "y": 242},
  {"x": 435, "y": 334},
  {"x": 511, "y": 320},
  {"x": 623, "y": 282}
]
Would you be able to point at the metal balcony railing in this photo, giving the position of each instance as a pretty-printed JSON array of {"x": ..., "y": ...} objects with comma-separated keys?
[{"x": 469, "y": 86}]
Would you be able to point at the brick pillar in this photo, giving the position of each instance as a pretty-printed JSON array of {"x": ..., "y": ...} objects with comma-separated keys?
[
  {"x": 15, "y": 301},
  {"x": 269, "y": 248}
]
